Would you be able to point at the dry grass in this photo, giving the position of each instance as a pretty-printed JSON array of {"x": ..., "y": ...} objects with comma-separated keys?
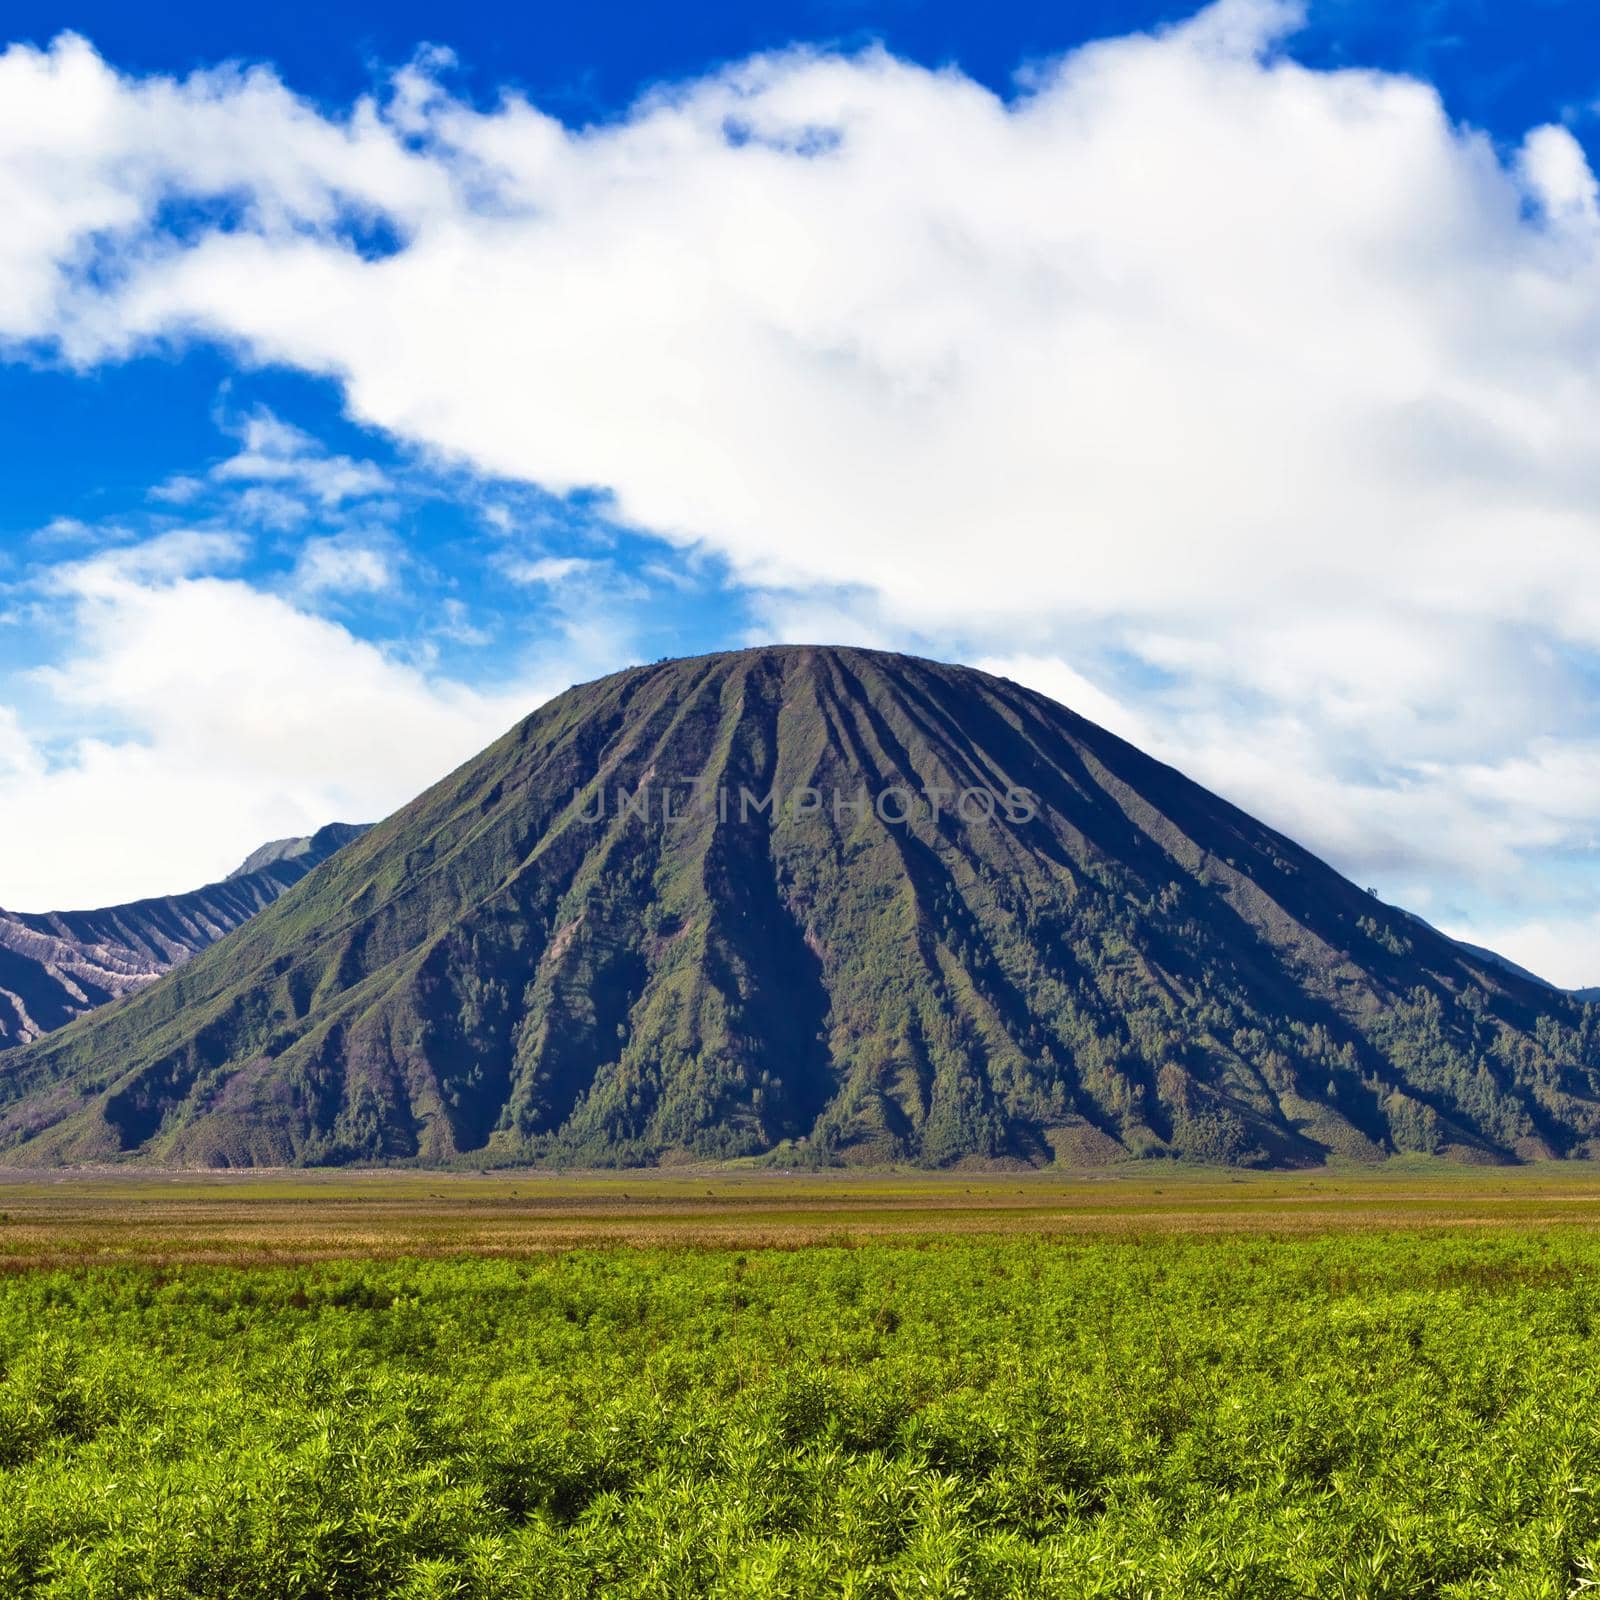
[{"x": 117, "y": 1216}]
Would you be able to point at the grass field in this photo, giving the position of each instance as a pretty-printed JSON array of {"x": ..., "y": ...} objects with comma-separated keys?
[
  {"x": 1141, "y": 1383},
  {"x": 133, "y": 1216}
]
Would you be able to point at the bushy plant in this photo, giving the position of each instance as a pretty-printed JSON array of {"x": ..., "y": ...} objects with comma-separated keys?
[{"x": 1364, "y": 1416}]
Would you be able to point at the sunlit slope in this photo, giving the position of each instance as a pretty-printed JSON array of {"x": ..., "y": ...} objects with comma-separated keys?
[{"x": 517, "y": 967}]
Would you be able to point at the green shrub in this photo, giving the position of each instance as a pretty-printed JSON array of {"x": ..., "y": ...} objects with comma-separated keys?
[{"x": 1384, "y": 1415}]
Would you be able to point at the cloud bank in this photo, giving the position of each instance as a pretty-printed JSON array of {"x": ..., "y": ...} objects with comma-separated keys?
[
  {"x": 1254, "y": 404},
  {"x": 239, "y": 717}
]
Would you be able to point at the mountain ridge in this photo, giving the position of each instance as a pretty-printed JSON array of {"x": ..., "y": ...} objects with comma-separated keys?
[
  {"x": 502, "y": 973},
  {"x": 58, "y": 965},
  {"x": 309, "y": 849}
]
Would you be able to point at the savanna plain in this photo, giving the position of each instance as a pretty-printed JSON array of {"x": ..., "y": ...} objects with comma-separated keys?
[{"x": 1146, "y": 1381}]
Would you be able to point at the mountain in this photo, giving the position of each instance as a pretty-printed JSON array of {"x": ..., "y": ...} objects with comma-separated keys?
[
  {"x": 1483, "y": 953},
  {"x": 56, "y": 965},
  {"x": 675, "y": 914},
  {"x": 301, "y": 854},
  {"x": 1494, "y": 958}
]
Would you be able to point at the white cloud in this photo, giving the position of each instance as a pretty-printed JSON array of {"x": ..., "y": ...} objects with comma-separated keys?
[
  {"x": 1183, "y": 330},
  {"x": 276, "y": 452},
  {"x": 177, "y": 554},
  {"x": 340, "y": 564},
  {"x": 1060, "y": 682},
  {"x": 64, "y": 530},
  {"x": 223, "y": 716},
  {"x": 1180, "y": 326},
  {"x": 19, "y": 760},
  {"x": 453, "y": 621},
  {"x": 544, "y": 569},
  {"x": 1557, "y": 172},
  {"x": 262, "y": 506},
  {"x": 181, "y": 490},
  {"x": 1271, "y": 392},
  {"x": 821, "y": 617},
  {"x": 84, "y": 154}
]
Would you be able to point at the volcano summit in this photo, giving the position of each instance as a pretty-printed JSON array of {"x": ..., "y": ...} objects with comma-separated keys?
[{"x": 1076, "y": 955}]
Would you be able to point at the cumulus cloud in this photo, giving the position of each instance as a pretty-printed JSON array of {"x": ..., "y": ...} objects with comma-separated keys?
[
  {"x": 86, "y": 156},
  {"x": 1253, "y": 405},
  {"x": 223, "y": 716}
]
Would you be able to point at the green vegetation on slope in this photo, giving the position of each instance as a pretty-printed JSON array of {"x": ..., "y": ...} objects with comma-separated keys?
[
  {"x": 1378, "y": 1415},
  {"x": 1138, "y": 969}
]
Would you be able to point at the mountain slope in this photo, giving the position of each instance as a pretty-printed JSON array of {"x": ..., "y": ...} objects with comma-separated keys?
[
  {"x": 516, "y": 967},
  {"x": 57, "y": 965}
]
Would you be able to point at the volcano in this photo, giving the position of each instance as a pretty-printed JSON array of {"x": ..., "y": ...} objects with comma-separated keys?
[{"x": 816, "y": 905}]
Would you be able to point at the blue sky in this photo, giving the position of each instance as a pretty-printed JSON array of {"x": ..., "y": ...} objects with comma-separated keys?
[
  {"x": 1227, "y": 374},
  {"x": 1500, "y": 66}
]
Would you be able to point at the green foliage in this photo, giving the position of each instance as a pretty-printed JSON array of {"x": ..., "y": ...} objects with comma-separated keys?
[{"x": 1366, "y": 1416}]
